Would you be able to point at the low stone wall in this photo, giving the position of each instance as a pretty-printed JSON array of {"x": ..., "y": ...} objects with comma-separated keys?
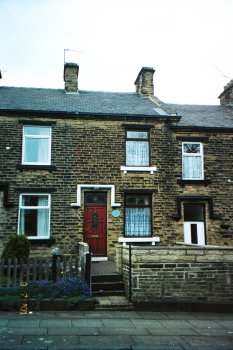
[{"x": 177, "y": 274}]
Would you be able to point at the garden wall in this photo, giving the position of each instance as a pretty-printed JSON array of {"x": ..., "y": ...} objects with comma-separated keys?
[{"x": 177, "y": 274}]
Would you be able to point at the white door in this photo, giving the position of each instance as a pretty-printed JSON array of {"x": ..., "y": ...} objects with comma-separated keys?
[{"x": 194, "y": 232}]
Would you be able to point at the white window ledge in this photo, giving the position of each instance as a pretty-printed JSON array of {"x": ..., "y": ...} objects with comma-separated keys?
[
  {"x": 126, "y": 240},
  {"x": 149, "y": 169}
]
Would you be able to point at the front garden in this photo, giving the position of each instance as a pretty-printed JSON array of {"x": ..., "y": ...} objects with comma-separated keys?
[{"x": 66, "y": 294}]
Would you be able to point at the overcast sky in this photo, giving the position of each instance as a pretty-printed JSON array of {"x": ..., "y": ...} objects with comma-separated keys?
[{"x": 188, "y": 42}]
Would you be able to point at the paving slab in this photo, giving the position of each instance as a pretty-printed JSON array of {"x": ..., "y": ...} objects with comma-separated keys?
[
  {"x": 3, "y": 322},
  {"x": 52, "y": 341},
  {"x": 125, "y": 330},
  {"x": 207, "y": 343},
  {"x": 114, "y": 340},
  {"x": 19, "y": 323},
  {"x": 214, "y": 332},
  {"x": 10, "y": 339},
  {"x": 98, "y": 314},
  {"x": 147, "y": 323},
  {"x": 150, "y": 315},
  {"x": 120, "y": 323},
  {"x": 116, "y": 330},
  {"x": 24, "y": 330},
  {"x": 180, "y": 316},
  {"x": 206, "y": 324},
  {"x": 159, "y": 342},
  {"x": 126, "y": 314},
  {"x": 56, "y": 323},
  {"x": 74, "y": 331},
  {"x": 177, "y": 324},
  {"x": 225, "y": 323},
  {"x": 171, "y": 331},
  {"x": 213, "y": 316},
  {"x": 87, "y": 323}
]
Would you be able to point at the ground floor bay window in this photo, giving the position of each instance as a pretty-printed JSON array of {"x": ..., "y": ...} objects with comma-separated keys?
[
  {"x": 138, "y": 215},
  {"x": 34, "y": 216}
]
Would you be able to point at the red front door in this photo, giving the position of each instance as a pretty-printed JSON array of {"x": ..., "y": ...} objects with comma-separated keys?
[{"x": 95, "y": 222}]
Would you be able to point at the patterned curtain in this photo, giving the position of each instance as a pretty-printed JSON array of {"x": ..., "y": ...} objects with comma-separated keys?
[
  {"x": 192, "y": 167},
  {"x": 137, "y": 222},
  {"x": 137, "y": 153}
]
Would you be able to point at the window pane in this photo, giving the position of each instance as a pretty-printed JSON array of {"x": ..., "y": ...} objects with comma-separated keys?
[
  {"x": 192, "y": 167},
  {"x": 141, "y": 200},
  {"x": 137, "y": 153},
  {"x": 28, "y": 222},
  {"x": 193, "y": 212},
  {"x": 35, "y": 201},
  {"x": 137, "y": 221},
  {"x": 36, "y": 130},
  {"x": 95, "y": 198},
  {"x": 137, "y": 134},
  {"x": 192, "y": 148},
  {"x": 36, "y": 150}
]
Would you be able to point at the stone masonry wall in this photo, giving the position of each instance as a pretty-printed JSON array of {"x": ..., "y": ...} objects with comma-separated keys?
[
  {"x": 91, "y": 151},
  {"x": 178, "y": 274}
]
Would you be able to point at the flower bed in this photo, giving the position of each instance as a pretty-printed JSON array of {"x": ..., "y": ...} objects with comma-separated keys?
[{"x": 66, "y": 294}]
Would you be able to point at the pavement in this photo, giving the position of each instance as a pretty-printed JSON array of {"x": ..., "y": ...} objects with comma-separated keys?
[{"x": 116, "y": 330}]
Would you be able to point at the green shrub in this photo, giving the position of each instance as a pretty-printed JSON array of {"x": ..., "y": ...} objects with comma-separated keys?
[{"x": 17, "y": 246}]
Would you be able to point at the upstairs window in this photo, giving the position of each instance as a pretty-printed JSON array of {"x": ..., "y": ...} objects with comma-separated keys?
[
  {"x": 137, "y": 148},
  {"x": 137, "y": 215},
  {"x": 34, "y": 215},
  {"x": 36, "y": 145},
  {"x": 192, "y": 161}
]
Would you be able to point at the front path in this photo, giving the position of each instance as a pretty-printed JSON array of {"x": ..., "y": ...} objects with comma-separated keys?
[{"x": 137, "y": 330}]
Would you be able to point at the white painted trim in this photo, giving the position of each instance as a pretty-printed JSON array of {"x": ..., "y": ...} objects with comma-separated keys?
[
  {"x": 99, "y": 258},
  {"x": 48, "y": 207},
  {"x": 35, "y": 136},
  {"x": 126, "y": 240},
  {"x": 149, "y": 169},
  {"x": 96, "y": 187}
]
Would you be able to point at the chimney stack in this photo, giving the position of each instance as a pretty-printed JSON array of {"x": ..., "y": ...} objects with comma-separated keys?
[
  {"x": 226, "y": 97},
  {"x": 71, "y": 77},
  {"x": 144, "y": 82}
]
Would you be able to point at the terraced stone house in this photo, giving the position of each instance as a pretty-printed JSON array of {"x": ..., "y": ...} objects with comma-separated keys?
[{"x": 104, "y": 168}]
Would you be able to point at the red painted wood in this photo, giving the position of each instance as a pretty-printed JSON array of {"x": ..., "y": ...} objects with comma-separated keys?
[{"x": 95, "y": 231}]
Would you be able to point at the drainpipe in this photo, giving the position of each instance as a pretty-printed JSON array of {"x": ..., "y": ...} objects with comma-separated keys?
[{"x": 130, "y": 272}]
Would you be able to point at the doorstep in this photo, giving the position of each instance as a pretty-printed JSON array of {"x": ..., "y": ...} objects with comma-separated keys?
[{"x": 99, "y": 258}]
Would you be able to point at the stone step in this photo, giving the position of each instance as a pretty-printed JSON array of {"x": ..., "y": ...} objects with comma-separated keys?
[
  {"x": 107, "y": 286},
  {"x": 102, "y": 292}
]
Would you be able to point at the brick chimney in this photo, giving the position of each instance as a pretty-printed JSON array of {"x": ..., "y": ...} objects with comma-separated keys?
[
  {"x": 226, "y": 97},
  {"x": 144, "y": 82},
  {"x": 71, "y": 77}
]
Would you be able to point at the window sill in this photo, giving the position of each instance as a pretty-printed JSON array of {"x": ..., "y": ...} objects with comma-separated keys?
[
  {"x": 149, "y": 169},
  {"x": 126, "y": 240},
  {"x": 35, "y": 167},
  {"x": 194, "y": 182},
  {"x": 49, "y": 241}
]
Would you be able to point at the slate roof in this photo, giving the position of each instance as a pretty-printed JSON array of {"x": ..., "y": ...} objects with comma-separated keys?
[
  {"x": 86, "y": 102},
  {"x": 207, "y": 116},
  {"x": 112, "y": 104}
]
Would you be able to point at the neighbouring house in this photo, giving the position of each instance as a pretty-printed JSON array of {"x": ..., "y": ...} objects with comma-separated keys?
[{"x": 104, "y": 167}]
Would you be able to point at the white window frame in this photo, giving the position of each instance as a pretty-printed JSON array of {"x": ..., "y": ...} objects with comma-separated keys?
[
  {"x": 35, "y": 207},
  {"x": 138, "y": 140},
  {"x": 49, "y": 137},
  {"x": 201, "y": 155}
]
